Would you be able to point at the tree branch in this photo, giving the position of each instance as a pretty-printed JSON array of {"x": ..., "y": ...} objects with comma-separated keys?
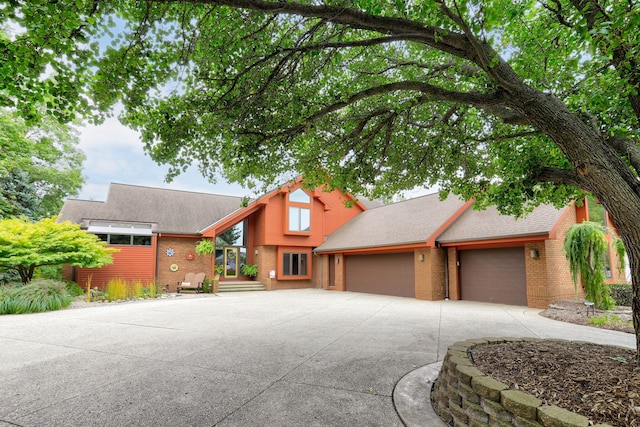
[
  {"x": 561, "y": 177},
  {"x": 447, "y": 41},
  {"x": 491, "y": 103},
  {"x": 629, "y": 149}
]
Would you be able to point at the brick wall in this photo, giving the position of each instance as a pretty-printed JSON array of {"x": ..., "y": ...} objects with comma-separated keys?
[
  {"x": 454, "y": 288},
  {"x": 266, "y": 260},
  {"x": 182, "y": 246},
  {"x": 559, "y": 283},
  {"x": 429, "y": 274},
  {"x": 464, "y": 396},
  {"x": 538, "y": 290}
]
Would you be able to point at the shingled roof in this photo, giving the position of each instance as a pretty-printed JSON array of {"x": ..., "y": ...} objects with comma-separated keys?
[
  {"x": 490, "y": 224},
  {"x": 170, "y": 211},
  {"x": 416, "y": 220},
  {"x": 407, "y": 222}
]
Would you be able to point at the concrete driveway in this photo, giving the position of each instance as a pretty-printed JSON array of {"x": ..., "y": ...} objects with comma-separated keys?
[{"x": 281, "y": 358}]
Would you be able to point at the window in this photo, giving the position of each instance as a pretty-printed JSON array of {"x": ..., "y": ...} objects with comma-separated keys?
[
  {"x": 299, "y": 212},
  {"x": 299, "y": 196},
  {"x": 608, "y": 275},
  {"x": 596, "y": 211},
  {"x": 124, "y": 239},
  {"x": 294, "y": 264},
  {"x": 299, "y": 219},
  {"x": 122, "y": 233}
]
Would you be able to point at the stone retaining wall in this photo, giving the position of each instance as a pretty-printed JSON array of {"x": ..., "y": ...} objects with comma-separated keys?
[{"x": 465, "y": 396}]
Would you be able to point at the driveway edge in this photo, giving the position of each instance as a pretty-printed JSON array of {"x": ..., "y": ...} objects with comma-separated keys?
[{"x": 412, "y": 397}]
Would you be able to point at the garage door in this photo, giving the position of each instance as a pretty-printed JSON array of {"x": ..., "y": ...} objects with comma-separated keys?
[
  {"x": 385, "y": 274},
  {"x": 493, "y": 275}
]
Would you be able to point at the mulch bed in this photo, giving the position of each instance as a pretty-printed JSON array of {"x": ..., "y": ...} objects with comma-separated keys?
[{"x": 600, "y": 382}]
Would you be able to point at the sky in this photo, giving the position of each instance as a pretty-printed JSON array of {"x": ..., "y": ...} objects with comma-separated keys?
[{"x": 114, "y": 153}]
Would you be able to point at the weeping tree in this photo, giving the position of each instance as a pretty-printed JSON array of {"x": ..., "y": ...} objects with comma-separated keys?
[
  {"x": 514, "y": 103},
  {"x": 586, "y": 247}
]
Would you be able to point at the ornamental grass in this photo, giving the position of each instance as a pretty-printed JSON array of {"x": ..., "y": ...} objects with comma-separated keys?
[{"x": 37, "y": 296}]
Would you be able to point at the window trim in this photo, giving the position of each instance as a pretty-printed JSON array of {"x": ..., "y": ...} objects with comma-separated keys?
[
  {"x": 132, "y": 238},
  {"x": 294, "y": 250},
  {"x": 301, "y": 206}
]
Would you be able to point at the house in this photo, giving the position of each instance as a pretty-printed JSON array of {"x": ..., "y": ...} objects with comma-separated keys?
[
  {"x": 157, "y": 231},
  {"x": 424, "y": 248}
]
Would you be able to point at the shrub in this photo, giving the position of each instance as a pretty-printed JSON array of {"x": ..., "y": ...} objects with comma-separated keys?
[
  {"x": 73, "y": 289},
  {"x": 48, "y": 272},
  {"x": 622, "y": 293},
  {"x": 206, "y": 285},
  {"x": 250, "y": 270},
  {"x": 37, "y": 296},
  {"x": 150, "y": 290},
  {"x": 608, "y": 320}
]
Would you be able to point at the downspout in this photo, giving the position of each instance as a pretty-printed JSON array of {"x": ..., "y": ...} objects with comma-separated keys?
[
  {"x": 446, "y": 274},
  {"x": 157, "y": 269}
]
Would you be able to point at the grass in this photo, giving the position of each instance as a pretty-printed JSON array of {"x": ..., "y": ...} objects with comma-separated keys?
[
  {"x": 120, "y": 289},
  {"x": 608, "y": 320},
  {"x": 35, "y": 297}
]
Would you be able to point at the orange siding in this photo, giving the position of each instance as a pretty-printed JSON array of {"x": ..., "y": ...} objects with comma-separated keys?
[
  {"x": 131, "y": 263},
  {"x": 259, "y": 226},
  {"x": 328, "y": 213}
]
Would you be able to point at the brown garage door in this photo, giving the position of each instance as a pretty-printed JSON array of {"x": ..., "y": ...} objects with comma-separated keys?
[
  {"x": 385, "y": 274},
  {"x": 493, "y": 275}
]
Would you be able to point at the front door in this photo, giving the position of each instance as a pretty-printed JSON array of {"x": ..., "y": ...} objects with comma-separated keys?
[{"x": 231, "y": 262}]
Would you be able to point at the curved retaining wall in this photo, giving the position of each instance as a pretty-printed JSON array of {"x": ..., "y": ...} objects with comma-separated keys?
[{"x": 464, "y": 396}]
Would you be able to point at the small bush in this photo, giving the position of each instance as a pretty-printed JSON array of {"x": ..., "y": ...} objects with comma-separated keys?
[
  {"x": 607, "y": 320},
  {"x": 206, "y": 285},
  {"x": 37, "y": 296},
  {"x": 73, "y": 289},
  {"x": 150, "y": 290},
  {"x": 622, "y": 293}
]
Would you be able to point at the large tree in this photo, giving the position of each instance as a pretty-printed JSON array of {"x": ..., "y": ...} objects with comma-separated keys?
[
  {"x": 511, "y": 102},
  {"x": 40, "y": 165}
]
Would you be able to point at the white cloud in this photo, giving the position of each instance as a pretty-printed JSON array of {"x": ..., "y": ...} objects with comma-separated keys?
[{"x": 115, "y": 153}]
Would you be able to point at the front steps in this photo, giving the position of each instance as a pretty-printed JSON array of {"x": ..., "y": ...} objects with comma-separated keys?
[{"x": 240, "y": 286}]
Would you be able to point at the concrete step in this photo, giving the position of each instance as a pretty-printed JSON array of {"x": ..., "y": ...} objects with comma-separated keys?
[{"x": 247, "y": 286}]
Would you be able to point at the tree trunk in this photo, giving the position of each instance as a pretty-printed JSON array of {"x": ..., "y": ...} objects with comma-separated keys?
[
  {"x": 598, "y": 169},
  {"x": 633, "y": 251}
]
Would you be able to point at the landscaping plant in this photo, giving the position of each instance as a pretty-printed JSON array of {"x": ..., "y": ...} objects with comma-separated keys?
[
  {"x": 250, "y": 270},
  {"x": 26, "y": 245},
  {"x": 37, "y": 296},
  {"x": 585, "y": 245}
]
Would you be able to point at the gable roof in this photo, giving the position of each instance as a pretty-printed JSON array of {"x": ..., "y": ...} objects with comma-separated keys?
[
  {"x": 489, "y": 224},
  {"x": 170, "y": 211},
  {"x": 412, "y": 221},
  {"x": 222, "y": 223}
]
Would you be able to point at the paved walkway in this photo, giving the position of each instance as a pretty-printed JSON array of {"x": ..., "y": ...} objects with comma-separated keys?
[{"x": 281, "y": 358}]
